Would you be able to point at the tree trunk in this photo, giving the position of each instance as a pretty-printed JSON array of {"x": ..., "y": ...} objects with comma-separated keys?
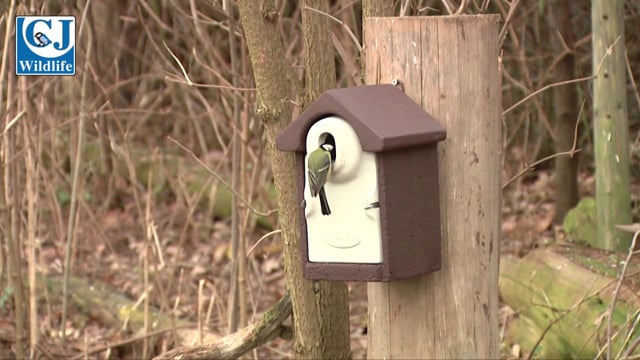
[
  {"x": 374, "y": 8},
  {"x": 318, "y": 307},
  {"x": 319, "y": 62},
  {"x": 565, "y": 104},
  {"x": 611, "y": 127},
  {"x": 320, "y": 75}
]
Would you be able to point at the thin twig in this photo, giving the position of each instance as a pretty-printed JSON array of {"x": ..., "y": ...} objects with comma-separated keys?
[
  {"x": 73, "y": 204},
  {"x": 175, "y": 58},
  {"x": 633, "y": 81},
  {"x": 155, "y": 17},
  {"x": 405, "y": 7},
  {"x": 173, "y": 78},
  {"x": 531, "y": 166},
  {"x": 577, "y": 126},
  {"x": 4, "y": 63},
  {"x": 224, "y": 182},
  {"x": 271, "y": 233},
  {"x": 547, "y": 87},
  {"x": 545, "y": 331},
  {"x": 566, "y": 82},
  {"x": 463, "y": 5},
  {"x": 13, "y": 121},
  {"x": 507, "y": 21},
  {"x": 31, "y": 179},
  {"x": 622, "y": 326},
  {"x": 447, "y": 6},
  {"x": 187, "y": 80},
  {"x": 630, "y": 332},
  {"x": 574, "y": 150},
  {"x": 235, "y": 297},
  {"x": 148, "y": 218},
  {"x": 199, "y": 311},
  {"x": 631, "y": 348},
  {"x": 616, "y": 292}
]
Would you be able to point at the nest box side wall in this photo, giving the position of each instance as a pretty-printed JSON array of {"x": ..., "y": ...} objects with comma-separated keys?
[{"x": 410, "y": 211}]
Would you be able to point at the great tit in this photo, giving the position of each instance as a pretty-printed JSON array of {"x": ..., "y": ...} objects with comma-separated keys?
[
  {"x": 42, "y": 39},
  {"x": 320, "y": 164}
]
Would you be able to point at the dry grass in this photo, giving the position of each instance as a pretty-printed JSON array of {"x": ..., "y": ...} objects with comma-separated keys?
[{"x": 97, "y": 184}]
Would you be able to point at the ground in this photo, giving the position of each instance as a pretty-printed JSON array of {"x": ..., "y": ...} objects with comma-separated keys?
[{"x": 188, "y": 265}]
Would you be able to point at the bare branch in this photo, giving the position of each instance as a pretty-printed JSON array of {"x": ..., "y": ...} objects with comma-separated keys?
[
  {"x": 574, "y": 150},
  {"x": 463, "y": 5},
  {"x": 271, "y": 233},
  {"x": 507, "y": 21},
  {"x": 448, "y": 6},
  {"x": 547, "y": 87},
  {"x": 174, "y": 78},
  {"x": 633, "y": 81},
  {"x": 223, "y": 181},
  {"x": 616, "y": 292},
  {"x": 242, "y": 341},
  {"x": 405, "y": 7},
  {"x": 609, "y": 50}
]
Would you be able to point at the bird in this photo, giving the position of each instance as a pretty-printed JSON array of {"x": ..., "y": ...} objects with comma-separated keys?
[
  {"x": 319, "y": 165},
  {"x": 42, "y": 39}
]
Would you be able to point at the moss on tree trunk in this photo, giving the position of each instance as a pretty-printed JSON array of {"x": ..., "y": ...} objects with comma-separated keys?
[{"x": 611, "y": 127}]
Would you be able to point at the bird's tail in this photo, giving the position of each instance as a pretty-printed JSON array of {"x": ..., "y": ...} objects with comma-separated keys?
[{"x": 324, "y": 204}]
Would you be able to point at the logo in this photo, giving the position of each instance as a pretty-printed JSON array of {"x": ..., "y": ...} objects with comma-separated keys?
[{"x": 45, "y": 45}]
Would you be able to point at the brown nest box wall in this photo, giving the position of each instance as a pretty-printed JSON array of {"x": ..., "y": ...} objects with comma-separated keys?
[
  {"x": 404, "y": 138},
  {"x": 410, "y": 216}
]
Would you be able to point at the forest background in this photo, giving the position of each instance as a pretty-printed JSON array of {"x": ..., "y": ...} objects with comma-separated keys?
[{"x": 137, "y": 205}]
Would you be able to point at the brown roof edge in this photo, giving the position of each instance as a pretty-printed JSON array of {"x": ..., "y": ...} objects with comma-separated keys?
[{"x": 382, "y": 115}]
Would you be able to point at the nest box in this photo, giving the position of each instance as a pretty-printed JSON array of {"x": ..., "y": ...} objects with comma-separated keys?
[{"x": 383, "y": 190}]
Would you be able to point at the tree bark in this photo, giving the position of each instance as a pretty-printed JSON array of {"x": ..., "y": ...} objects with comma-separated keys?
[
  {"x": 320, "y": 75},
  {"x": 450, "y": 66},
  {"x": 565, "y": 104},
  {"x": 319, "y": 59},
  {"x": 317, "y": 306},
  {"x": 373, "y": 8},
  {"x": 611, "y": 127}
]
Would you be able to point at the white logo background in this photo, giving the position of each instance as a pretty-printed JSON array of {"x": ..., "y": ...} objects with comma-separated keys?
[{"x": 54, "y": 34}]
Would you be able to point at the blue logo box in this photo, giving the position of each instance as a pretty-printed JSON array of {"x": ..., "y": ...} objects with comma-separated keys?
[{"x": 45, "y": 45}]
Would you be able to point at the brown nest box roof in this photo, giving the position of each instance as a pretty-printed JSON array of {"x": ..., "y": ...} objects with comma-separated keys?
[{"x": 382, "y": 115}]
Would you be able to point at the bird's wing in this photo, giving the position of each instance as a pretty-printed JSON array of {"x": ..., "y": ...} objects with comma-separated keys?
[{"x": 317, "y": 180}]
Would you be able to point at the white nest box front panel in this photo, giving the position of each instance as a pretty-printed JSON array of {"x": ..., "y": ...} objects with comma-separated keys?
[{"x": 351, "y": 233}]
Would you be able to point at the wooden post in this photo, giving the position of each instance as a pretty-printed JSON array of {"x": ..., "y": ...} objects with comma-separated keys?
[
  {"x": 610, "y": 124},
  {"x": 449, "y": 64}
]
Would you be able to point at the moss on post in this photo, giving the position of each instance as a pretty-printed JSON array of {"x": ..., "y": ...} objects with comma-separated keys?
[{"x": 610, "y": 128}]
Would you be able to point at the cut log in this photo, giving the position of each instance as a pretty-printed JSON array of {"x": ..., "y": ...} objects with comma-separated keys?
[{"x": 561, "y": 295}]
